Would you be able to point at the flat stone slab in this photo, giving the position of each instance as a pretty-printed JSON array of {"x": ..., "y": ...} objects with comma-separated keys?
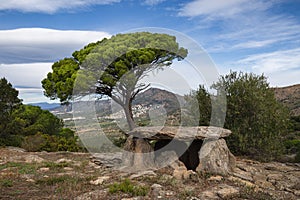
[{"x": 180, "y": 133}]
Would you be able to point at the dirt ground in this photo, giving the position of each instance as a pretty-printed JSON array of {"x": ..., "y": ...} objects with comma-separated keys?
[{"x": 65, "y": 175}]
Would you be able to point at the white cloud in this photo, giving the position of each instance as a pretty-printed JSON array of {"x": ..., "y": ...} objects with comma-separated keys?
[
  {"x": 284, "y": 78},
  {"x": 258, "y": 31},
  {"x": 27, "y": 45},
  {"x": 27, "y": 79},
  {"x": 153, "y": 2},
  {"x": 253, "y": 44},
  {"x": 26, "y": 75},
  {"x": 276, "y": 61},
  {"x": 50, "y": 6},
  {"x": 216, "y": 8}
]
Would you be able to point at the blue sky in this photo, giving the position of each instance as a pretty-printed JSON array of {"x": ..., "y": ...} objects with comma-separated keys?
[{"x": 260, "y": 36}]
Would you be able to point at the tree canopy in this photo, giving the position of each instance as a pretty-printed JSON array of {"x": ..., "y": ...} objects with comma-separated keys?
[
  {"x": 113, "y": 67},
  {"x": 258, "y": 122},
  {"x": 8, "y": 101},
  {"x": 199, "y": 107}
]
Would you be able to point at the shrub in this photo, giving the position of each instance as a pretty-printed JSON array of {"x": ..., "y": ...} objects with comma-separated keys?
[
  {"x": 51, "y": 143},
  {"x": 127, "y": 187},
  {"x": 257, "y": 121}
]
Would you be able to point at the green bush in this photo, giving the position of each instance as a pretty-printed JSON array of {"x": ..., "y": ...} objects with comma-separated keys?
[
  {"x": 257, "y": 121},
  {"x": 11, "y": 140},
  {"x": 51, "y": 143},
  {"x": 127, "y": 187},
  {"x": 293, "y": 147}
]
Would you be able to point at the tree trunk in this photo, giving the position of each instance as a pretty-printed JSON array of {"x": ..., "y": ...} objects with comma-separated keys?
[
  {"x": 138, "y": 155},
  {"x": 128, "y": 113}
]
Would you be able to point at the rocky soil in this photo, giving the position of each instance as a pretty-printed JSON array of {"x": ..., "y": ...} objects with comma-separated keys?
[{"x": 64, "y": 175}]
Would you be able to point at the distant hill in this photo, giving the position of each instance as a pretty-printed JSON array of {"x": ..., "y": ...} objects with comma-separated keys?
[
  {"x": 152, "y": 96},
  {"x": 46, "y": 106},
  {"x": 155, "y": 96},
  {"x": 290, "y": 96}
]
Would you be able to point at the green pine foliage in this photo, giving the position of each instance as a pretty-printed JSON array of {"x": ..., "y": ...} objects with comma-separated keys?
[
  {"x": 31, "y": 127},
  {"x": 198, "y": 105}
]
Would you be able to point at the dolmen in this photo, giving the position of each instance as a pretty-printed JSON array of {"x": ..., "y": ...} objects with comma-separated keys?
[{"x": 200, "y": 148}]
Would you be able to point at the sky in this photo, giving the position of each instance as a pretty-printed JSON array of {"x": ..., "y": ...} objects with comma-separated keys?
[{"x": 259, "y": 36}]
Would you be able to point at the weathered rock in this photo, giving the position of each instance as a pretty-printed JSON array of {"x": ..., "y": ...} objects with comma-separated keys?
[
  {"x": 226, "y": 191},
  {"x": 179, "y": 170},
  {"x": 133, "y": 198},
  {"x": 216, "y": 178},
  {"x": 156, "y": 192},
  {"x": 16, "y": 149},
  {"x": 242, "y": 174},
  {"x": 44, "y": 169},
  {"x": 180, "y": 133},
  {"x": 107, "y": 159},
  {"x": 64, "y": 160},
  {"x": 242, "y": 182},
  {"x": 208, "y": 194},
  {"x": 99, "y": 180},
  {"x": 138, "y": 154},
  {"x": 165, "y": 158},
  {"x": 143, "y": 174},
  {"x": 68, "y": 168},
  {"x": 215, "y": 157},
  {"x": 33, "y": 159},
  {"x": 96, "y": 194},
  {"x": 191, "y": 175}
]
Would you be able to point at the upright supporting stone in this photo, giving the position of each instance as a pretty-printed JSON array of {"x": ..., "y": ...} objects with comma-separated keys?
[
  {"x": 215, "y": 157},
  {"x": 138, "y": 154}
]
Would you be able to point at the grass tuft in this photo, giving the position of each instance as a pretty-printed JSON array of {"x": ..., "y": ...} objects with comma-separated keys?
[{"x": 127, "y": 187}]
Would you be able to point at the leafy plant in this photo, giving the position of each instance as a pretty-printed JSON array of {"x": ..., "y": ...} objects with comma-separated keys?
[
  {"x": 6, "y": 183},
  {"x": 257, "y": 121},
  {"x": 127, "y": 187}
]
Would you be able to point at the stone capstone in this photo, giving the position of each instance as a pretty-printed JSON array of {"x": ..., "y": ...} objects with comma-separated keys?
[{"x": 180, "y": 133}]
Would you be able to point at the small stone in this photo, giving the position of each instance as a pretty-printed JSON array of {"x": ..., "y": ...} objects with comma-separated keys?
[
  {"x": 208, "y": 195},
  {"x": 215, "y": 178},
  {"x": 97, "y": 194},
  {"x": 191, "y": 175},
  {"x": 15, "y": 149},
  {"x": 143, "y": 174},
  {"x": 99, "y": 180},
  {"x": 33, "y": 159},
  {"x": 297, "y": 192},
  {"x": 264, "y": 184},
  {"x": 194, "y": 198},
  {"x": 156, "y": 191},
  {"x": 227, "y": 191},
  {"x": 169, "y": 193},
  {"x": 30, "y": 180},
  {"x": 63, "y": 160},
  {"x": 241, "y": 181},
  {"x": 44, "y": 169},
  {"x": 68, "y": 168}
]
